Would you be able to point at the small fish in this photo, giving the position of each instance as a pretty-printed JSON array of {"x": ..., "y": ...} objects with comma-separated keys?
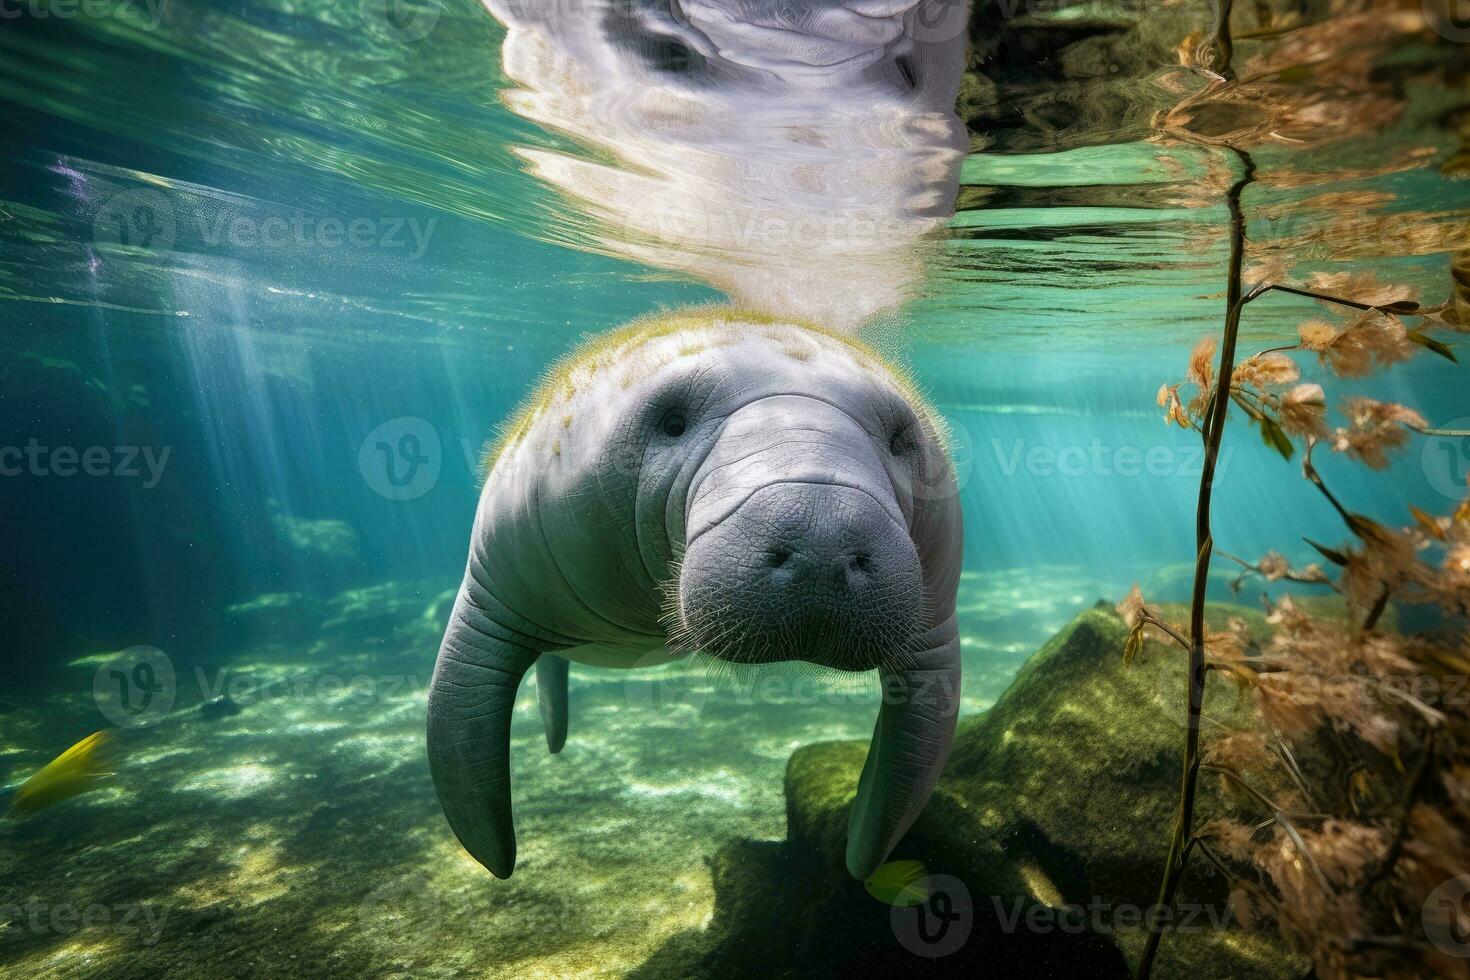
[
  {"x": 899, "y": 883},
  {"x": 78, "y": 769}
]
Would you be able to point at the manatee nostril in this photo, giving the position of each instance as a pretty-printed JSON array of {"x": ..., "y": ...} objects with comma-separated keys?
[{"x": 777, "y": 556}]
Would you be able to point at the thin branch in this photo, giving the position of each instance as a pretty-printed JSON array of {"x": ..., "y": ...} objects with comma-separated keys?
[
  {"x": 1310, "y": 472},
  {"x": 1174, "y": 634},
  {"x": 1301, "y": 846},
  {"x": 1376, "y": 613},
  {"x": 1397, "y": 308},
  {"x": 1430, "y": 431},
  {"x": 1412, "y": 789},
  {"x": 1290, "y": 576},
  {"x": 1204, "y": 542},
  {"x": 1288, "y": 760}
]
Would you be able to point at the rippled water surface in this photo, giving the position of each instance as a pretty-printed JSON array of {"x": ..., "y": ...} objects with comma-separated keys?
[{"x": 250, "y": 248}]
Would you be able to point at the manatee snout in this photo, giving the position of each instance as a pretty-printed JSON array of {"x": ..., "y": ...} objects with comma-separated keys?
[{"x": 797, "y": 548}]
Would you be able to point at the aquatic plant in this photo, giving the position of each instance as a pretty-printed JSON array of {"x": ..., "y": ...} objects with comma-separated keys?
[{"x": 1336, "y": 843}]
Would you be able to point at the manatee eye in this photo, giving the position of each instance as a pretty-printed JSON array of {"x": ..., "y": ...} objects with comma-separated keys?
[
  {"x": 673, "y": 425},
  {"x": 898, "y": 445}
]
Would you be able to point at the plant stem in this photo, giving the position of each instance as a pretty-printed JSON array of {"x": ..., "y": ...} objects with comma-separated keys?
[
  {"x": 1214, "y": 429},
  {"x": 1412, "y": 789},
  {"x": 1223, "y": 42},
  {"x": 1174, "y": 634},
  {"x": 1377, "y": 611},
  {"x": 1398, "y": 308},
  {"x": 1453, "y": 433}
]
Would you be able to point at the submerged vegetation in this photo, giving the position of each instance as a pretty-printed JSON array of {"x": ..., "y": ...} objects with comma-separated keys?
[{"x": 1356, "y": 764}]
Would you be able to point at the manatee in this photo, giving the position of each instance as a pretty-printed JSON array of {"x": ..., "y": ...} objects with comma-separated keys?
[{"x": 748, "y": 487}]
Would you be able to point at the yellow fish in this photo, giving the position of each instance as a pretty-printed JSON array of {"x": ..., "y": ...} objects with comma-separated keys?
[
  {"x": 899, "y": 883},
  {"x": 74, "y": 771}
]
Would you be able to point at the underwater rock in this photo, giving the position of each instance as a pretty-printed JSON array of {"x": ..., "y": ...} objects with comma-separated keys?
[
  {"x": 274, "y": 616},
  {"x": 411, "y": 613},
  {"x": 1059, "y": 798},
  {"x": 770, "y": 922},
  {"x": 325, "y": 550},
  {"x": 222, "y": 706}
]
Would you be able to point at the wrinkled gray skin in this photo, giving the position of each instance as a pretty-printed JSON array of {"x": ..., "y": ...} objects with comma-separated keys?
[{"x": 815, "y": 512}]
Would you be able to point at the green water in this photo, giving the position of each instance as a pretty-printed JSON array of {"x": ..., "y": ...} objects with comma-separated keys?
[{"x": 341, "y": 236}]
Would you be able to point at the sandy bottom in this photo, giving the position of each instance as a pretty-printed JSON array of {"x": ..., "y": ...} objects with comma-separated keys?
[{"x": 301, "y": 834}]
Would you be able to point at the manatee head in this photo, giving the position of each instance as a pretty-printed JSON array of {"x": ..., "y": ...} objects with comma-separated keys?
[
  {"x": 797, "y": 547},
  {"x": 778, "y": 477}
]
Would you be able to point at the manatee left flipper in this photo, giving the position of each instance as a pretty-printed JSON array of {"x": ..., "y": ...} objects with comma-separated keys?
[
  {"x": 551, "y": 697},
  {"x": 910, "y": 742},
  {"x": 471, "y": 700}
]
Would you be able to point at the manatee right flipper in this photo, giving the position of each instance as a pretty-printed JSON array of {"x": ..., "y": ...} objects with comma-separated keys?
[
  {"x": 910, "y": 742},
  {"x": 471, "y": 700},
  {"x": 551, "y": 697}
]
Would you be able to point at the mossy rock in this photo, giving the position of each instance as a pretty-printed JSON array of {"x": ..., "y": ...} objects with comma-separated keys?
[{"x": 1054, "y": 811}]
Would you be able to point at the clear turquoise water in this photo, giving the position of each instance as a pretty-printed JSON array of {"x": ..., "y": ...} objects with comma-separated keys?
[{"x": 271, "y": 546}]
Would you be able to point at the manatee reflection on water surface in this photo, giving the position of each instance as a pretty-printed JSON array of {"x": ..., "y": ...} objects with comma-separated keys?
[{"x": 798, "y": 158}]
